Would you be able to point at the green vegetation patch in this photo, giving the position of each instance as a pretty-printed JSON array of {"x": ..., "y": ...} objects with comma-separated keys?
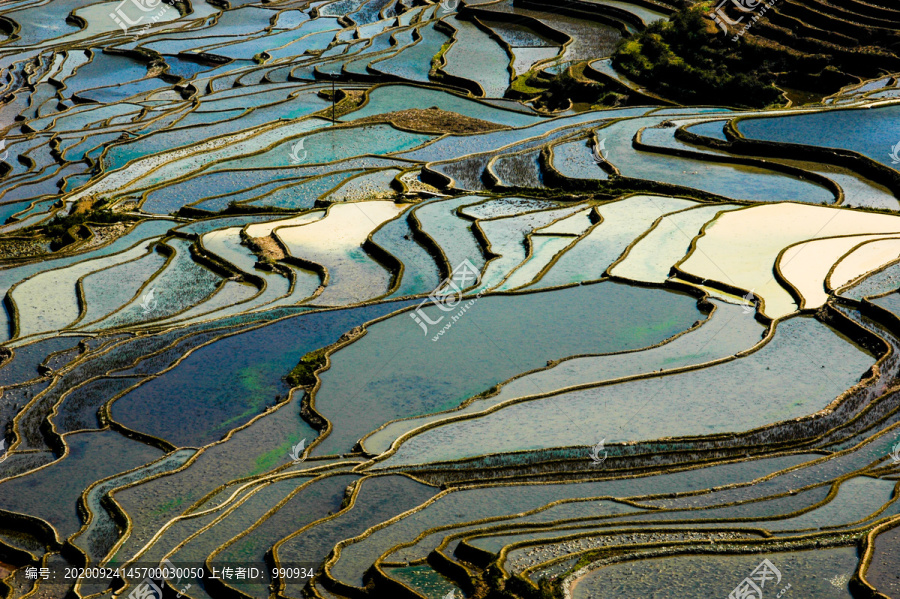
[
  {"x": 556, "y": 91},
  {"x": 303, "y": 374},
  {"x": 66, "y": 229},
  {"x": 689, "y": 60}
]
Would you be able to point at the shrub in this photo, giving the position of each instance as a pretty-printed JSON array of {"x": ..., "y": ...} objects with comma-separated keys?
[{"x": 303, "y": 374}]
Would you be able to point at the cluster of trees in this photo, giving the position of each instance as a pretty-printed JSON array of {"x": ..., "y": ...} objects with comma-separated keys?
[{"x": 689, "y": 60}]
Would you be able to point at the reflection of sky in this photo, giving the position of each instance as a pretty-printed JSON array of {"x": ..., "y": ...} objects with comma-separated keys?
[
  {"x": 333, "y": 144},
  {"x": 494, "y": 340},
  {"x": 870, "y": 132},
  {"x": 778, "y": 382}
]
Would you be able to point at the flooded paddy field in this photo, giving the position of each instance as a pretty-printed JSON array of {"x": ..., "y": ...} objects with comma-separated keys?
[{"x": 469, "y": 299}]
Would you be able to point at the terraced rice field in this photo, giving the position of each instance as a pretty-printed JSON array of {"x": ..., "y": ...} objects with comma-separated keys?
[{"x": 362, "y": 299}]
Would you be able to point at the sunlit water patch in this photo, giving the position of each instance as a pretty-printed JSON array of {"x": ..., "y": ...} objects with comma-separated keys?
[{"x": 493, "y": 341}]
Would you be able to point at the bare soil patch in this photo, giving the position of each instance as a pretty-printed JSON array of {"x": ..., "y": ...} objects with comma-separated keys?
[
  {"x": 433, "y": 120},
  {"x": 266, "y": 247}
]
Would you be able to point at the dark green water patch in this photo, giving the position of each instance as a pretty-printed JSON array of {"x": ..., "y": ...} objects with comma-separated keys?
[
  {"x": 318, "y": 500},
  {"x": 379, "y": 499},
  {"x": 52, "y": 492},
  {"x": 233, "y": 379}
]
